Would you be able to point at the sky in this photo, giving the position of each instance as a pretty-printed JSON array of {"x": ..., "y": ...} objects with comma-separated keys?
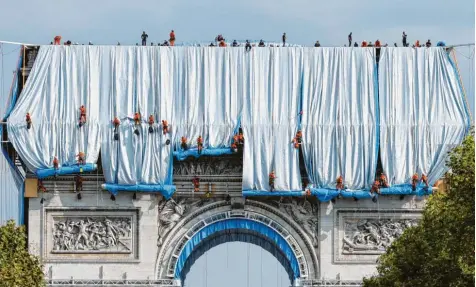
[
  {"x": 227, "y": 265},
  {"x": 304, "y": 21}
]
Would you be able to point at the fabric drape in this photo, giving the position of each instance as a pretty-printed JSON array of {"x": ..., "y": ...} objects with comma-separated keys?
[
  {"x": 339, "y": 116},
  {"x": 59, "y": 83},
  {"x": 415, "y": 117},
  {"x": 208, "y": 86},
  {"x": 132, "y": 82},
  {"x": 422, "y": 112},
  {"x": 270, "y": 119}
]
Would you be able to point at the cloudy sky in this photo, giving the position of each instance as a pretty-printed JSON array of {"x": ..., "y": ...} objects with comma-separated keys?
[{"x": 304, "y": 21}]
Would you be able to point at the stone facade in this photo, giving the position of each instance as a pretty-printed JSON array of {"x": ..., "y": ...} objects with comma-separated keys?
[{"x": 96, "y": 238}]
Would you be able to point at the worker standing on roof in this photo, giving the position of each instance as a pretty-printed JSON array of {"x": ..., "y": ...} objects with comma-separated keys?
[
  {"x": 172, "y": 38},
  {"x": 247, "y": 46},
  {"x": 58, "y": 40},
  {"x": 404, "y": 39},
  {"x": 284, "y": 39},
  {"x": 144, "y": 37},
  {"x": 350, "y": 39}
]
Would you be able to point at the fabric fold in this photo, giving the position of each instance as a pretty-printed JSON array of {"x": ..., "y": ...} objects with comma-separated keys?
[
  {"x": 339, "y": 125},
  {"x": 422, "y": 112}
]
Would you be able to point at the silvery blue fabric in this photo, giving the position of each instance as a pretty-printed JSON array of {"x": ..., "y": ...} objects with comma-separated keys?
[
  {"x": 422, "y": 112},
  {"x": 210, "y": 92},
  {"x": 270, "y": 119},
  {"x": 339, "y": 121},
  {"x": 60, "y": 82}
]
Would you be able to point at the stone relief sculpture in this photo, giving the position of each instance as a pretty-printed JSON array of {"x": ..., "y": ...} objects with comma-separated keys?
[
  {"x": 172, "y": 211},
  {"x": 209, "y": 167},
  {"x": 304, "y": 213},
  {"x": 99, "y": 234},
  {"x": 362, "y": 235}
]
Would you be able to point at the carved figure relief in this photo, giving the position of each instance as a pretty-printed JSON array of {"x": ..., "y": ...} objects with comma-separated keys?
[
  {"x": 172, "y": 211},
  {"x": 210, "y": 166},
  {"x": 304, "y": 213},
  {"x": 99, "y": 234},
  {"x": 373, "y": 234}
]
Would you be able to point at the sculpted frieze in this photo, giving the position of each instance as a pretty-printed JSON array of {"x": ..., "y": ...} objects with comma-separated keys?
[
  {"x": 303, "y": 212},
  {"x": 92, "y": 235},
  {"x": 173, "y": 210},
  {"x": 363, "y": 235},
  {"x": 209, "y": 166}
]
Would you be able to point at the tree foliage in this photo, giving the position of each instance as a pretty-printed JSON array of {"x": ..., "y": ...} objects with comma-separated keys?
[
  {"x": 440, "y": 250},
  {"x": 18, "y": 268}
]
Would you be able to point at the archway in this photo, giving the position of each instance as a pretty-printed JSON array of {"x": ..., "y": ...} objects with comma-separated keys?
[
  {"x": 237, "y": 264},
  {"x": 199, "y": 224},
  {"x": 239, "y": 229}
]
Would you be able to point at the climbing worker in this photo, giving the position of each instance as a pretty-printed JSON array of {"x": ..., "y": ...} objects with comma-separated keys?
[
  {"x": 377, "y": 43},
  {"x": 340, "y": 182},
  {"x": 183, "y": 143},
  {"x": 350, "y": 39},
  {"x": 116, "y": 123},
  {"x": 414, "y": 181},
  {"x": 151, "y": 123},
  {"x": 172, "y": 38},
  {"x": 355, "y": 44},
  {"x": 196, "y": 184},
  {"x": 404, "y": 39},
  {"x": 199, "y": 144},
  {"x": 165, "y": 127},
  {"x": 383, "y": 180},
  {"x": 222, "y": 43},
  {"x": 55, "y": 163},
  {"x": 317, "y": 44},
  {"x": 81, "y": 157},
  {"x": 28, "y": 120},
  {"x": 284, "y": 39},
  {"x": 417, "y": 44},
  {"x": 235, "y": 44},
  {"x": 375, "y": 187},
  {"x": 137, "y": 122},
  {"x": 57, "y": 40},
  {"x": 428, "y": 43},
  {"x": 364, "y": 43},
  {"x": 248, "y": 46},
  {"x": 144, "y": 37},
  {"x": 261, "y": 43},
  {"x": 78, "y": 179},
  {"x": 424, "y": 179},
  {"x": 271, "y": 179},
  {"x": 82, "y": 116}
]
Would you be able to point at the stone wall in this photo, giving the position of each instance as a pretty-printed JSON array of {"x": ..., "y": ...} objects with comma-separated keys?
[
  {"x": 123, "y": 244},
  {"x": 353, "y": 233},
  {"x": 345, "y": 237}
]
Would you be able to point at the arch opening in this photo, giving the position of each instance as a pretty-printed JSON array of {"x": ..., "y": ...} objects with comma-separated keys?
[
  {"x": 252, "y": 232},
  {"x": 237, "y": 235}
]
